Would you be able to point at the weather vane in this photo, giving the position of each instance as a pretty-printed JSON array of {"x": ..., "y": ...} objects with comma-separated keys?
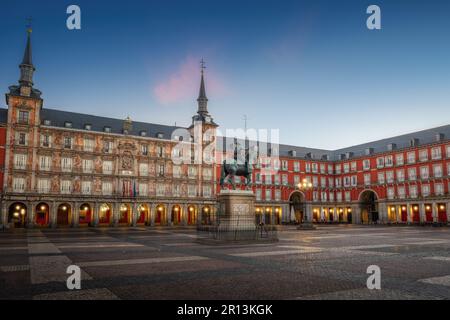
[
  {"x": 29, "y": 20},
  {"x": 202, "y": 65}
]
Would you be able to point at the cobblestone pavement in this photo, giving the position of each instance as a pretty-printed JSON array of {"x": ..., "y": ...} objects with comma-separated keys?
[{"x": 167, "y": 263}]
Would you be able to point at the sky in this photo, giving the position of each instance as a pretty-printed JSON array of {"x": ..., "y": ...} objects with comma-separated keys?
[{"x": 311, "y": 69}]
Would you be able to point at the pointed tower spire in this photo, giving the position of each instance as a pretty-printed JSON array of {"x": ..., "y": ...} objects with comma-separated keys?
[
  {"x": 26, "y": 67},
  {"x": 202, "y": 99}
]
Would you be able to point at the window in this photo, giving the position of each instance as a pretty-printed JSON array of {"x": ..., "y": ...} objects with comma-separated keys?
[
  {"x": 323, "y": 182},
  {"x": 399, "y": 159},
  {"x": 107, "y": 188},
  {"x": 296, "y": 166},
  {"x": 331, "y": 196},
  {"x": 107, "y": 167},
  {"x": 338, "y": 182},
  {"x": 43, "y": 185},
  {"x": 285, "y": 179},
  {"x": 284, "y": 165},
  {"x": 346, "y": 168},
  {"x": 161, "y": 170},
  {"x": 423, "y": 155},
  {"x": 380, "y": 177},
  {"x": 67, "y": 143},
  {"x": 88, "y": 145},
  {"x": 411, "y": 157},
  {"x": 277, "y": 195},
  {"x": 331, "y": 182},
  {"x": 66, "y": 164},
  {"x": 258, "y": 194},
  {"x": 192, "y": 172},
  {"x": 323, "y": 196},
  {"x": 23, "y": 117},
  {"x": 367, "y": 179},
  {"x": 160, "y": 189},
  {"x": 315, "y": 196},
  {"x": 176, "y": 190},
  {"x": 307, "y": 167},
  {"x": 46, "y": 140},
  {"x": 353, "y": 166},
  {"x": 86, "y": 187},
  {"x": 22, "y": 138},
  {"x": 207, "y": 174},
  {"x": 347, "y": 182},
  {"x": 160, "y": 135},
  {"x": 107, "y": 129},
  {"x": 439, "y": 189},
  {"x": 322, "y": 168},
  {"x": 176, "y": 171},
  {"x": 348, "y": 196},
  {"x": 143, "y": 169},
  {"x": 276, "y": 179},
  {"x": 390, "y": 176},
  {"x": 20, "y": 161},
  {"x": 68, "y": 124},
  {"x": 315, "y": 182},
  {"x": 47, "y": 122},
  {"x": 424, "y": 173},
  {"x": 413, "y": 191},
  {"x": 258, "y": 178},
  {"x": 448, "y": 169},
  {"x": 366, "y": 164},
  {"x": 401, "y": 192},
  {"x": 18, "y": 184},
  {"x": 437, "y": 171},
  {"x": 436, "y": 153},
  {"x": 448, "y": 151},
  {"x": 330, "y": 169},
  {"x": 143, "y": 189},
  {"x": 354, "y": 181},
  {"x": 391, "y": 193},
  {"x": 192, "y": 191},
  {"x": 144, "y": 149},
  {"x": 339, "y": 196},
  {"x": 338, "y": 169},
  {"x": 66, "y": 186},
  {"x": 207, "y": 191},
  {"x": 107, "y": 146},
  {"x": 45, "y": 163},
  {"x": 296, "y": 180},
  {"x": 87, "y": 126},
  {"x": 425, "y": 190},
  {"x": 268, "y": 194},
  {"x": 400, "y": 175},
  {"x": 389, "y": 161},
  {"x": 412, "y": 174},
  {"x": 87, "y": 165},
  {"x": 380, "y": 162},
  {"x": 159, "y": 151}
]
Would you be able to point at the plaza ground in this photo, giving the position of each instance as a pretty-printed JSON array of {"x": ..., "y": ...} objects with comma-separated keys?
[{"x": 165, "y": 263}]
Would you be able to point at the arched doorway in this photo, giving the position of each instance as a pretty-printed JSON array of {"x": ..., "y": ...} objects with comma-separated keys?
[
  {"x": 206, "y": 215},
  {"x": 42, "y": 214},
  {"x": 104, "y": 216},
  {"x": 277, "y": 216},
  {"x": 124, "y": 213},
  {"x": 64, "y": 214},
  {"x": 142, "y": 214},
  {"x": 160, "y": 214},
  {"x": 192, "y": 215},
  {"x": 17, "y": 215},
  {"x": 85, "y": 214},
  {"x": 297, "y": 203},
  {"x": 268, "y": 216},
  {"x": 368, "y": 202},
  {"x": 176, "y": 215}
]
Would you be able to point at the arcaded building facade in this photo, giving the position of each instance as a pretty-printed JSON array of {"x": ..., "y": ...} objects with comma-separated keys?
[{"x": 62, "y": 168}]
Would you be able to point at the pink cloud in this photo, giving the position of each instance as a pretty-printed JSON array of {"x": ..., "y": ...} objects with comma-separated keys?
[{"x": 183, "y": 84}]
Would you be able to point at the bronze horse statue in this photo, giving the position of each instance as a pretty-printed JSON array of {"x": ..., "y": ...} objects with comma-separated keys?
[{"x": 230, "y": 170}]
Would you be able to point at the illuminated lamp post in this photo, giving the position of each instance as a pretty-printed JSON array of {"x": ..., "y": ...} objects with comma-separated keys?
[{"x": 305, "y": 186}]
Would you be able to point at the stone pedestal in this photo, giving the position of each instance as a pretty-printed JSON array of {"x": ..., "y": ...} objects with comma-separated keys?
[{"x": 235, "y": 220}]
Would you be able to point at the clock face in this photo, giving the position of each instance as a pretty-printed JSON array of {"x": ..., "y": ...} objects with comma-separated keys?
[{"x": 208, "y": 119}]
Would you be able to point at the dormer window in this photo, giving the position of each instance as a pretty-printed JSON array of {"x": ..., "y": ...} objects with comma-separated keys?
[
  {"x": 68, "y": 124},
  {"x": 143, "y": 133},
  {"x": 107, "y": 129},
  {"x": 160, "y": 135},
  {"x": 47, "y": 122},
  {"x": 87, "y": 126}
]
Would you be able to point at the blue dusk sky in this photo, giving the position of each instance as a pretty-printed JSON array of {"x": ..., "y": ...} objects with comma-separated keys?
[{"x": 309, "y": 68}]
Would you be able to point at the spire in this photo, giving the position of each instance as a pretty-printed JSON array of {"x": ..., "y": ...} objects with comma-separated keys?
[
  {"x": 202, "y": 99},
  {"x": 26, "y": 67}
]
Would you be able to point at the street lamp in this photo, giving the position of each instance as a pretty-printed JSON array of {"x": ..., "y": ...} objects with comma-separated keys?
[{"x": 305, "y": 185}]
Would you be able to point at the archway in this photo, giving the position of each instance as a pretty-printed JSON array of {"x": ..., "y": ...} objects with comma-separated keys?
[
  {"x": 192, "y": 215},
  {"x": 176, "y": 215},
  {"x": 124, "y": 213},
  {"x": 268, "y": 215},
  {"x": 368, "y": 202},
  {"x": 104, "y": 216},
  {"x": 64, "y": 214},
  {"x": 85, "y": 214},
  {"x": 258, "y": 215},
  {"x": 160, "y": 214},
  {"x": 42, "y": 214},
  {"x": 17, "y": 214},
  {"x": 142, "y": 214},
  {"x": 206, "y": 215},
  {"x": 277, "y": 216},
  {"x": 297, "y": 202}
]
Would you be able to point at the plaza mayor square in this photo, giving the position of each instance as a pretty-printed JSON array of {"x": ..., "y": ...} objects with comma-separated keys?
[{"x": 225, "y": 151}]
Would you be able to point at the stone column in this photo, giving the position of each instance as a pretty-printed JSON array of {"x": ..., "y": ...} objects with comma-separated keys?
[
  {"x": 53, "y": 215},
  {"x": 382, "y": 213},
  {"x": 308, "y": 211},
  {"x": 31, "y": 214},
  {"x": 335, "y": 215},
  {"x": 134, "y": 213},
  {"x": 75, "y": 214},
  {"x": 95, "y": 213},
  {"x": 184, "y": 213},
  {"x": 169, "y": 215},
  {"x": 199, "y": 214},
  {"x": 434, "y": 209},
  {"x": 4, "y": 215},
  {"x": 152, "y": 214},
  {"x": 409, "y": 213},
  {"x": 115, "y": 215},
  {"x": 447, "y": 210},
  {"x": 422, "y": 213},
  {"x": 356, "y": 214}
]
